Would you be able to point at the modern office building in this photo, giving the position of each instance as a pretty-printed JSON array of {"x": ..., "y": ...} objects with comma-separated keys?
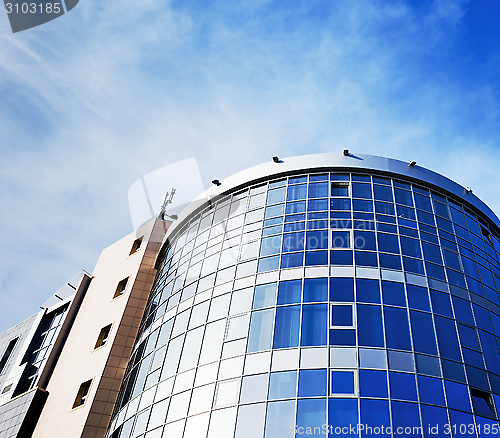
[
  {"x": 328, "y": 294},
  {"x": 60, "y": 370}
]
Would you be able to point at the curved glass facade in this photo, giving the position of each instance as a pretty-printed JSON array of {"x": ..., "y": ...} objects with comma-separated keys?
[{"x": 321, "y": 304}]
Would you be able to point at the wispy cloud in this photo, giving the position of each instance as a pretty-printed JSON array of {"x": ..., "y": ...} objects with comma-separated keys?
[{"x": 122, "y": 88}]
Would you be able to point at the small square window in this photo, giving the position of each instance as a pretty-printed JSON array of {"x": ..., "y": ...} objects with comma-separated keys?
[
  {"x": 103, "y": 336},
  {"x": 136, "y": 245},
  {"x": 83, "y": 392},
  {"x": 341, "y": 315},
  {"x": 120, "y": 289},
  {"x": 340, "y": 188},
  {"x": 343, "y": 383}
]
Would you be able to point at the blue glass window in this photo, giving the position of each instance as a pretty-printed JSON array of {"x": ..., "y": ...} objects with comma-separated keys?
[
  {"x": 457, "y": 396},
  {"x": 432, "y": 253},
  {"x": 296, "y": 207},
  {"x": 316, "y": 225},
  {"x": 264, "y": 295},
  {"x": 388, "y": 243},
  {"x": 373, "y": 383},
  {"x": 384, "y": 208},
  {"x": 292, "y": 260},
  {"x": 289, "y": 292},
  {"x": 286, "y": 329},
  {"x": 425, "y": 218},
  {"x": 315, "y": 258},
  {"x": 315, "y": 289},
  {"x": 270, "y": 245},
  {"x": 363, "y": 191},
  {"x": 367, "y": 291},
  {"x": 340, "y": 204},
  {"x": 317, "y": 205},
  {"x": 432, "y": 416},
  {"x": 294, "y": 226},
  {"x": 341, "y": 239},
  {"x": 423, "y": 203},
  {"x": 482, "y": 318},
  {"x": 342, "y": 289},
  {"x": 277, "y": 229},
  {"x": 312, "y": 383},
  {"x": 279, "y": 417},
  {"x": 318, "y": 190},
  {"x": 403, "y": 197},
  {"x": 317, "y": 239},
  {"x": 406, "y": 212},
  {"x": 413, "y": 265},
  {"x": 423, "y": 333},
  {"x": 490, "y": 351},
  {"x": 453, "y": 371},
  {"x": 365, "y": 258},
  {"x": 370, "y": 326},
  {"x": 314, "y": 324},
  {"x": 341, "y": 315},
  {"x": 396, "y": 328},
  {"x": 406, "y": 419},
  {"x": 275, "y": 210},
  {"x": 296, "y": 192},
  {"x": 410, "y": 247},
  {"x": 447, "y": 338},
  {"x": 268, "y": 264},
  {"x": 435, "y": 271},
  {"x": 427, "y": 365},
  {"x": 283, "y": 385},
  {"x": 311, "y": 413},
  {"x": 342, "y": 382},
  {"x": 403, "y": 386},
  {"x": 382, "y": 193},
  {"x": 342, "y": 337},
  {"x": 341, "y": 257},
  {"x": 393, "y": 293},
  {"x": 342, "y": 413},
  {"x": 390, "y": 261},
  {"x": 477, "y": 377},
  {"x": 430, "y": 390},
  {"x": 297, "y": 179},
  {"x": 295, "y": 218},
  {"x": 276, "y": 196},
  {"x": 293, "y": 242},
  {"x": 468, "y": 336},
  {"x": 463, "y": 311},
  {"x": 364, "y": 240},
  {"x": 418, "y": 297},
  {"x": 261, "y": 324},
  {"x": 359, "y": 205},
  {"x": 374, "y": 414},
  {"x": 441, "y": 303},
  {"x": 340, "y": 189}
]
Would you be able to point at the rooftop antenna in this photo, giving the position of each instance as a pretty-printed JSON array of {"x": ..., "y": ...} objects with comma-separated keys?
[{"x": 166, "y": 201}]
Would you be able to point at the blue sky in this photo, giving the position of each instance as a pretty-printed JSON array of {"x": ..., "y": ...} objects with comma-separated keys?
[{"x": 113, "y": 90}]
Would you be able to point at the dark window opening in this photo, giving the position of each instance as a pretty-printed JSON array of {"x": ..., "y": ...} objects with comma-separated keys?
[
  {"x": 136, "y": 245},
  {"x": 120, "y": 289},
  {"x": 83, "y": 392},
  {"x": 487, "y": 234},
  {"x": 7, "y": 353},
  {"x": 340, "y": 188},
  {"x": 482, "y": 403},
  {"x": 7, "y": 388},
  {"x": 103, "y": 336}
]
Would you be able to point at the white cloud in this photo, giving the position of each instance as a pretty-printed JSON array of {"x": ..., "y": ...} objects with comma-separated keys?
[{"x": 120, "y": 89}]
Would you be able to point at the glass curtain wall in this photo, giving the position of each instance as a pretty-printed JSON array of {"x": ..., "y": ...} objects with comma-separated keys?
[{"x": 321, "y": 304}]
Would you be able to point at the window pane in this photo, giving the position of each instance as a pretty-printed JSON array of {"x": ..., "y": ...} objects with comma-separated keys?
[
  {"x": 270, "y": 245},
  {"x": 289, "y": 292},
  {"x": 447, "y": 338},
  {"x": 361, "y": 191},
  {"x": 293, "y": 242},
  {"x": 264, "y": 295},
  {"x": 388, "y": 243},
  {"x": 319, "y": 190},
  {"x": 315, "y": 289},
  {"x": 279, "y": 417},
  {"x": 382, "y": 193},
  {"x": 254, "y": 388},
  {"x": 342, "y": 382},
  {"x": 423, "y": 332},
  {"x": 367, "y": 291},
  {"x": 276, "y": 196},
  {"x": 373, "y": 383},
  {"x": 364, "y": 240},
  {"x": 342, "y": 413},
  {"x": 317, "y": 239},
  {"x": 251, "y": 419},
  {"x": 406, "y": 417},
  {"x": 296, "y": 192},
  {"x": 341, "y": 316},
  {"x": 430, "y": 390},
  {"x": 374, "y": 413},
  {"x": 341, "y": 289},
  {"x": 286, "y": 330},
  {"x": 370, "y": 326},
  {"x": 393, "y": 293},
  {"x": 283, "y": 385},
  {"x": 396, "y": 328},
  {"x": 314, "y": 324},
  {"x": 403, "y": 386},
  {"x": 261, "y": 329},
  {"x": 418, "y": 297},
  {"x": 312, "y": 383},
  {"x": 311, "y": 414}
]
